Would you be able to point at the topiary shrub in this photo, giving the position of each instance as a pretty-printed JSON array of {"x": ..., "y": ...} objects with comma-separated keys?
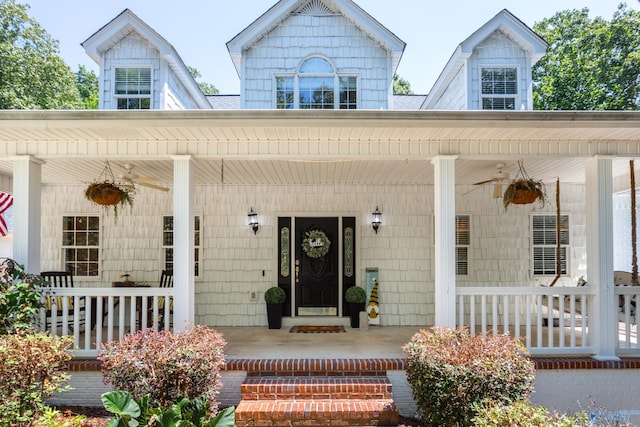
[
  {"x": 166, "y": 366},
  {"x": 275, "y": 295},
  {"x": 450, "y": 371},
  {"x": 31, "y": 369},
  {"x": 355, "y": 294}
]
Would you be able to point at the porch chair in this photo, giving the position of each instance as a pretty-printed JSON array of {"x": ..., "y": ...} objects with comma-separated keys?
[
  {"x": 61, "y": 279},
  {"x": 166, "y": 281}
]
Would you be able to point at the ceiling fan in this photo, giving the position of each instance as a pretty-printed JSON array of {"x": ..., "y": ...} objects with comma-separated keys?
[
  {"x": 499, "y": 177},
  {"x": 131, "y": 178}
]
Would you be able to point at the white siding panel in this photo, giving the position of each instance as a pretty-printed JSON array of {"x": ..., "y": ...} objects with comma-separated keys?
[
  {"x": 233, "y": 258},
  {"x": 284, "y": 48}
]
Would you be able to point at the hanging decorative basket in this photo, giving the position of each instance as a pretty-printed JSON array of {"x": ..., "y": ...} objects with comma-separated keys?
[
  {"x": 524, "y": 190},
  {"x": 105, "y": 191}
]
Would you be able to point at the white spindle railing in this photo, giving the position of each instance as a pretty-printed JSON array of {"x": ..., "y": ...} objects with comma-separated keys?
[
  {"x": 97, "y": 315},
  {"x": 549, "y": 320},
  {"x": 627, "y": 326}
]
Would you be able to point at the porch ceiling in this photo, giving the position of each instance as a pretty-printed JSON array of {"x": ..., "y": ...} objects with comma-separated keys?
[{"x": 311, "y": 147}]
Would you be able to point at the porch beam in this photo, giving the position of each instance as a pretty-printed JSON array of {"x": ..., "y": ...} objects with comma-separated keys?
[
  {"x": 599, "y": 220},
  {"x": 445, "y": 240},
  {"x": 27, "y": 183},
  {"x": 183, "y": 242}
]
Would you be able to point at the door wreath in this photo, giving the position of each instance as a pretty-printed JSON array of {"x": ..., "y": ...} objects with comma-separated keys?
[{"x": 315, "y": 244}]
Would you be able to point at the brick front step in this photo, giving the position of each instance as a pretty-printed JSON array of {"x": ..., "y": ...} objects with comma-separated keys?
[
  {"x": 270, "y": 388},
  {"x": 318, "y": 412}
]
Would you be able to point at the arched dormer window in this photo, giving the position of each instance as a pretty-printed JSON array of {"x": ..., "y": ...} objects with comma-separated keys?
[{"x": 316, "y": 86}]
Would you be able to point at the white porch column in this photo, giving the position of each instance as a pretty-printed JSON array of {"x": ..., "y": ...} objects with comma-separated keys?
[
  {"x": 599, "y": 213},
  {"x": 183, "y": 241},
  {"x": 445, "y": 239},
  {"x": 27, "y": 180}
]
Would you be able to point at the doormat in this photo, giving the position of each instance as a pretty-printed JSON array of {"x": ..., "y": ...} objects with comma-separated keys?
[{"x": 316, "y": 329}]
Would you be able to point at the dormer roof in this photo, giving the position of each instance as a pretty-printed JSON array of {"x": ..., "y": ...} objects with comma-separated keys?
[
  {"x": 285, "y": 8},
  {"x": 505, "y": 22},
  {"x": 125, "y": 23}
]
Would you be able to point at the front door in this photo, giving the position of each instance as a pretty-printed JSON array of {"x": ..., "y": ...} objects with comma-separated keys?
[{"x": 316, "y": 267}]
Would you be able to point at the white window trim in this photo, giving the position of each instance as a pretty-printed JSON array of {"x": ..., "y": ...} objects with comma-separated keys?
[
  {"x": 101, "y": 218},
  {"x": 567, "y": 250},
  {"x": 152, "y": 91},
  {"x": 163, "y": 247},
  {"x": 516, "y": 96}
]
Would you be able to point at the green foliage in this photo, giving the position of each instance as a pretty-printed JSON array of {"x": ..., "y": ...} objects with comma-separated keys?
[
  {"x": 52, "y": 417},
  {"x": 165, "y": 365},
  {"x": 206, "y": 88},
  {"x": 87, "y": 82},
  {"x": 32, "y": 73},
  {"x": 449, "y": 371},
  {"x": 275, "y": 295},
  {"x": 30, "y": 371},
  {"x": 522, "y": 413},
  {"x": 590, "y": 64},
  {"x": 19, "y": 300},
  {"x": 355, "y": 294},
  {"x": 401, "y": 86},
  {"x": 131, "y": 413}
]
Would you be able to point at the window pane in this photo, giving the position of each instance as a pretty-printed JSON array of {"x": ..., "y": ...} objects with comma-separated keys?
[
  {"x": 462, "y": 263},
  {"x": 348, "y": 93},
  {"x": 284, "y": 92},
  {"x": 316, "y": 65},
  {"x": 544, "y": 238},
  {"x": 316, "y": 92}
]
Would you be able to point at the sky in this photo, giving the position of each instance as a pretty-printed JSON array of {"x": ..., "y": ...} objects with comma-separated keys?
[{"x": 200, "y": 29}]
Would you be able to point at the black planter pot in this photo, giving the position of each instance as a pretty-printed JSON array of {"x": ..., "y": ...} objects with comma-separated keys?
[
  {"x": 354, "y": 313},
  {"x": 274, "y": 316}
]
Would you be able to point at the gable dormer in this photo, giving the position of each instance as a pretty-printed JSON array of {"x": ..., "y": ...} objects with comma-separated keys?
[
  {"x": 139, "y": 69},
  {"x": 308, "y": 54},
  {"x": 491, "y": 69}
]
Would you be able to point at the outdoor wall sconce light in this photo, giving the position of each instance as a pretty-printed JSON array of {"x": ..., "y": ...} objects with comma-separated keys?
[
  {"x": 376, "y": 219},
  {"x": 253, "y": 221}
]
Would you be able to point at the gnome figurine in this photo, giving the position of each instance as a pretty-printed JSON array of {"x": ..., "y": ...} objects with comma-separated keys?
[{"x": 373, "y": 309}]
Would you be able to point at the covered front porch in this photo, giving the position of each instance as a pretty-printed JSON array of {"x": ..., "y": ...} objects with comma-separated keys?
[{"x": 419, "y": 168}]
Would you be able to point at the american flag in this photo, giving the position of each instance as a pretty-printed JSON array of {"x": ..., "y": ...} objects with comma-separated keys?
[{"x": 6, "y": 200}]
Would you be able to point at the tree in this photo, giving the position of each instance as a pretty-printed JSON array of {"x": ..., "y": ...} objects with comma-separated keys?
[
  {"x": 206, "y": 88},
  {"x": 590, "y": 64},
  {"x": 87, "y": 82},
  {"x": 32, "y": 73},
  {"x": 401, "y": 86}
]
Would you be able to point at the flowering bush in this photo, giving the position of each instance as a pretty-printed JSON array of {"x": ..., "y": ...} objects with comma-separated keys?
[
  {"x": 449, "y": 371},
  {"x": 522, "y": 413},
  {"x": 166, "y": 366},
  {"x": 31, "y": 369}
]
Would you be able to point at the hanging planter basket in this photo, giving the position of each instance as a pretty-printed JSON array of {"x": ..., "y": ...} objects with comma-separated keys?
[
  {"x": 524, "y": 190},
  {"x": 108, "y": 193}
]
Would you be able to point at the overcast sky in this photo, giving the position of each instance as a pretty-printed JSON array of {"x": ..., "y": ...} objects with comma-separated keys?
[{"x": 200, "y": 29}]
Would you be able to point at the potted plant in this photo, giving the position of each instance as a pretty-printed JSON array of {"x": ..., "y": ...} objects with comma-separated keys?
[
  {"x": 356, "y": 297},
  {"x": 274, "y": 297},
  {"x": 524, "y": 190},
  {"x": 106, "y": 192}
]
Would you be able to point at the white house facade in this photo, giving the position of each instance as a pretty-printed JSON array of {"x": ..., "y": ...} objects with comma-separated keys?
[{"x": 415, "y": 159}]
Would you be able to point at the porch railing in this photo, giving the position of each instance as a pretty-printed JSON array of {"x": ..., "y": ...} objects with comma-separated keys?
[
  {"x": 97, "y": 315},
  {"x": 548, "y": 320}
]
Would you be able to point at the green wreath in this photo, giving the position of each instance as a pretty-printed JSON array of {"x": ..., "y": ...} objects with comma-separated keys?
[{"x": 315, "y": 244}]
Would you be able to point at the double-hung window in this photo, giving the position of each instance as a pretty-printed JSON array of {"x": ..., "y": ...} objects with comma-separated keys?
[
  {"x": 463, "y": 243},
  {"x": 499, "y": 88},
  {"x": 167, "y": 243},
  {"x": 316, "y": 86},
  {"x": 81, "y": 245},
  {"x": 132, "y": 88},
  {"x": 545, "y": 243}
]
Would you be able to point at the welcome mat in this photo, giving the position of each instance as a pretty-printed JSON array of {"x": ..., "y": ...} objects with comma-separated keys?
[{"x": 316, "y": 329}]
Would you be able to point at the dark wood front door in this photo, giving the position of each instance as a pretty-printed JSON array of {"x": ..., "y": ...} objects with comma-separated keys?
[{"x": 316, "y": 266}]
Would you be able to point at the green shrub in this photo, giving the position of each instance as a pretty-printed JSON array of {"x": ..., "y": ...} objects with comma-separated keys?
[
  {"x": 355, "y": 294},
  {"x": 30, "y": 370},
  {"x": 522, "y": 413},
  {"x": 166, "y": 366},
  {"x": 19, "y": 301},
  {"x": 275, "y": 295},
  {"x": 449, "y": 371},
  {"x": 185, "y": 412}
]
